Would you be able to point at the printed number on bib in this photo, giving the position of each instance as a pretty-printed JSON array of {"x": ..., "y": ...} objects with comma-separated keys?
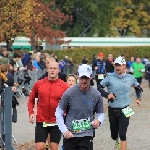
[
  {"x": 100, "y": 76},
  {"x": 128, "y": 111},
  {"x": 81, "y": 125}
]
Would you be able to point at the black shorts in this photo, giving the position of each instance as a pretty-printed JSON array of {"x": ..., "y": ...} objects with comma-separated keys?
[
  {"x": 78, "y": 143},
  {"x": 139, "y": 80},
  {"x": 118, "y": 123},
  {"x": 41, "y": 133}
]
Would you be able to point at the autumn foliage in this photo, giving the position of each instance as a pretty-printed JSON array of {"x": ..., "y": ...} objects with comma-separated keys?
[
  {"x": 129, "y": 19},
  {"x": 31, "y": 18}
]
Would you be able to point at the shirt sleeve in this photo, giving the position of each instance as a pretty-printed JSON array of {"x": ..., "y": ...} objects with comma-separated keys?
[
  {"x": 31, "y": 100},
  {"x": 105, "y": 81},
  {"x": 143, "y": 68},
  {"x": 60, "y": 119},
  {"x": 135, "y": 83},
  {"x": 101, "y": 117}
]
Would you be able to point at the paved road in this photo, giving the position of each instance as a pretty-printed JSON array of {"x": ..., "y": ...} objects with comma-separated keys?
[{"x": 138, "y": 135}]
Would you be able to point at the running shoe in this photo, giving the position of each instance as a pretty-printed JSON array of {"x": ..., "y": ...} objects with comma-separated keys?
[
  {"x": 47, "y": 146},
  {"x": 117, "y": 144}
]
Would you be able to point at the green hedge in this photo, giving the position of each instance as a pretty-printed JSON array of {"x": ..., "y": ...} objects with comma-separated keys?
[{"x": 78, "y": 54}]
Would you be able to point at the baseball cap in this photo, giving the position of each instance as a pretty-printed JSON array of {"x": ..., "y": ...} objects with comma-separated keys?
[
  {"x": 85, "y": 70},
  {"x": 101, "y": 54},
  {"x": 120, "y": 60}
]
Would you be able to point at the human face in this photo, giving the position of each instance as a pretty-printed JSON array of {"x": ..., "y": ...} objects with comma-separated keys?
[
  {"x": 84, "y": 83},
  {"x": 71, "y": 81},
  {"x": 138, "y": 60},
  {"x": 38, "y": 59},
  {"x": 132, "y": 59},
  {"x": 110, "y": 57},
  {"x": 53, "y": 70},
  {"x": 120, "y": 69}
]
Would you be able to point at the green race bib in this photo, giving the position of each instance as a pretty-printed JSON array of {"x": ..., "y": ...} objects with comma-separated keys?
[
  {"x": 81, "y": 125},
  {"x": 128, "y": 111}
]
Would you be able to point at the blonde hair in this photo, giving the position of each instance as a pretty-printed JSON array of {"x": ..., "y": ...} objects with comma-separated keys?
[{"x": 3, "y": 68}]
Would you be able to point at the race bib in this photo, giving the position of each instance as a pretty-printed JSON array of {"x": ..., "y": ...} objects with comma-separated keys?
[
  {"x": 81, "y": 125},
  {"x": 100, "y": 76},
  {"x": 47, "y": 124},
  {"x": 128, "y": 111}
]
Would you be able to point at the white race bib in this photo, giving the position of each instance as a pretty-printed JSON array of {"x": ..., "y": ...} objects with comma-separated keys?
[
  {"x": 128, "y": 111},
  {"x": 100, "y": 76}
]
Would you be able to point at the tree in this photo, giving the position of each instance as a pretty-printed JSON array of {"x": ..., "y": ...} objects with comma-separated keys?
[
  {"x": 92, "y": 16},
  {"x": 130, "y": 17},
  {"x": 14, "y": 19},
  {"x": 45, "y": 24},
  {"x": 31, "y": 18}
]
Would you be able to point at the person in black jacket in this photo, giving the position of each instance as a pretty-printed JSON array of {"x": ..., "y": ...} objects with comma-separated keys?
[
  {"x": 61, "y": 75},
  {"x": 110, "y": 64}
]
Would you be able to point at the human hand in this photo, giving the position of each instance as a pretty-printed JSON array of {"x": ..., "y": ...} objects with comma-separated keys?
[
  {"x": 32, "y": 118},
  {"x": 96, "y": 68},
  {"x": 111, "y": 96},
  {"x": 138, "y": 102},
  {"x": 68, "y": 135},
  {"x": 13, "y": 88},
  {"x": 95, "y": 124}
]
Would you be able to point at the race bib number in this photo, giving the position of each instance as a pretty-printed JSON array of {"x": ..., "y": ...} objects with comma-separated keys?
[
  {"x": 100, "y": 76},
  {"x": 128, "y": 111},
  {"x": 47, "y": 124},
  {"x": 81, "y": 125}
]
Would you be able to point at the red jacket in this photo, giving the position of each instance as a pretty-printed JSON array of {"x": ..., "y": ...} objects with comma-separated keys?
[{"x": 49, "y": 94}]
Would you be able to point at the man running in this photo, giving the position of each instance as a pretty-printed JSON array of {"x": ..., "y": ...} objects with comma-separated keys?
[
  {"x": 80, "y": 101},
  {"x": 119, "y": 112},
  {"x": 138, "y": 70},
  {"x": 49, "y": 91}
]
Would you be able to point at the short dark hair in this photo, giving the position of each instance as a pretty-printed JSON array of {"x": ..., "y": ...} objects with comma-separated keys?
[{"x": 17, "y": 55}]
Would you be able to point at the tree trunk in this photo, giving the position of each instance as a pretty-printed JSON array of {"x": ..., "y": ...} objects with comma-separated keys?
[{"x": 9, "y": 44}]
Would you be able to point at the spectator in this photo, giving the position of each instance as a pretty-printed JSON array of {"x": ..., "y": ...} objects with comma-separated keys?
[
  {"x": 35, "y": 62},
  {"x": 26, "y": 58},
  {"x": 3, "y": 52},
  {"x": 100, "y": 67},
  {"x": 17, "y": 59},
  {"x": 61, "y": 65},
  {"x": 56, "y": 58},
  {"x": 145, "y": 60},
  {"x": 85, "y": 60},
  {"x": 41, "y": 63},
  {"x": 70, "y": 62},
  {"x": 129, "y": 65},
  {"x": 65, "y": 68},
  {"x": 93, "y": 69},
  {"x": 110, "y": 64}
]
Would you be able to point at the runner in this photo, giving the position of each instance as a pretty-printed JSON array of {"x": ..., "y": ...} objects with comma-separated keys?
[
  {"x": 49, "y": 91},
  {"x": 60, "y": 76},
  {"x": 80, "y": 101},
  {"x": 71, "y": 81},
  {"x": 138, "y": 70},
  {"x": 119, "y": 112}
]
